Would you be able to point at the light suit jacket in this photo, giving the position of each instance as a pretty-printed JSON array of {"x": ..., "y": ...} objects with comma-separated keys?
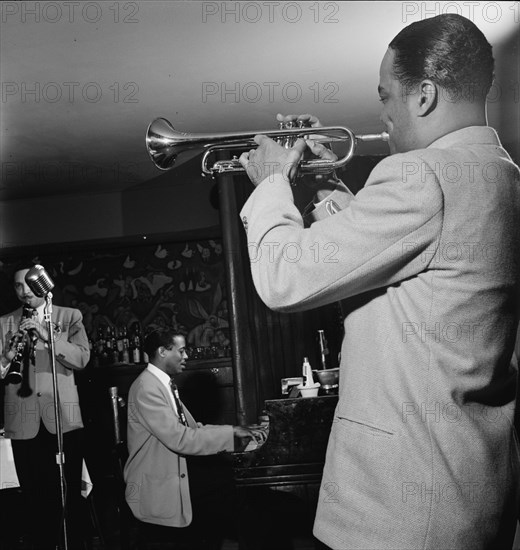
[
  {"x": 156, "y": 475},
  {"x": 22, "y": 414},
  {"x": 422, "y": 453}
]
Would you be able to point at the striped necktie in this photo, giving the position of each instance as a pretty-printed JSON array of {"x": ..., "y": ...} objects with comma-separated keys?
[{"x": 178, "y": 404}]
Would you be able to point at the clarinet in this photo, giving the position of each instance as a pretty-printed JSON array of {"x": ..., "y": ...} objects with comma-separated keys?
[
  {"x": 20, "y": 340},
  {"x": 14, "y": 375}
]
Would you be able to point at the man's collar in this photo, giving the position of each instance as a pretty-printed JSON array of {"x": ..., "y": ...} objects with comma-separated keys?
[
  {"x": 472, "y": 134},
  {"x": 39, "y": 309},
  {"x": 163, "y": 377}
]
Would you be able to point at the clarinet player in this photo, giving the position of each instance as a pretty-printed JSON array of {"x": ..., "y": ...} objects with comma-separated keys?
[{"x": 29, "y": 411}]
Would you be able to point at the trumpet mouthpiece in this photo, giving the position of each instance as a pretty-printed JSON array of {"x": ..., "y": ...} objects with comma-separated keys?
[{"x": 373, "y": 137}]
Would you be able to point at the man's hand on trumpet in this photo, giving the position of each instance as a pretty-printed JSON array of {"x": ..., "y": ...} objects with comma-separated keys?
[
  {"x": 270, "y": 158},
  {"x": 322, "y": 184}
]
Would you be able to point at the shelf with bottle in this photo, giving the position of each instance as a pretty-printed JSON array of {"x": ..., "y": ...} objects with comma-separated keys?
[
  {"x": 192, "y": 364},
  {"x": 208, "y": 352},
  {"x": 117, "y": 346}
]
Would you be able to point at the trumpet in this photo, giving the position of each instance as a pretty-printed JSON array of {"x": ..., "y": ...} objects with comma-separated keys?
[{"x": 164, "y": 144}]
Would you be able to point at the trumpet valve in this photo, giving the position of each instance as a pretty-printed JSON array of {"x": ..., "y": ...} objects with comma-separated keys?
[
  {"x": 289, "y": 140},
  {"x": 280, "y": 140}
]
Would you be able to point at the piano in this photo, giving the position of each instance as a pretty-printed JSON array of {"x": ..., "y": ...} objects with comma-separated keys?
[{"x": 294, "y": 451}]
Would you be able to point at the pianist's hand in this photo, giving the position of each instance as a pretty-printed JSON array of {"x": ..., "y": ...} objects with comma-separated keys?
[{"x": 242, "y": 437}]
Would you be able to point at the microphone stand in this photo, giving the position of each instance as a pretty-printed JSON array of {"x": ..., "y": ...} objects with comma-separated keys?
[{"x": 60, "y": 456}]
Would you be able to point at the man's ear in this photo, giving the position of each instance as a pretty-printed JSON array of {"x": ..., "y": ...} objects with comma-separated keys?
[{"x": 428, "y": 97}]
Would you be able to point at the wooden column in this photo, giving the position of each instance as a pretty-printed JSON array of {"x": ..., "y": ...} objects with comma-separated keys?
[{"x": 246, "y": 394}]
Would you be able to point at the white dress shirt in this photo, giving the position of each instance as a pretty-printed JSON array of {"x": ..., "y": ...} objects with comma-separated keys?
[{"x": 165, "y": 379}]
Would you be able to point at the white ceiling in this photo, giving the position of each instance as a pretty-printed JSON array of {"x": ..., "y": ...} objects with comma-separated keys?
[{"x": 82, "y": 80}]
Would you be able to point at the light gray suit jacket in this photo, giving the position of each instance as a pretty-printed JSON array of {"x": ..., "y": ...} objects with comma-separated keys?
[
  {"x": 22, "y": 414},
  {"x": 156, "y": 475},
  {"x": 422, "y": 452}
]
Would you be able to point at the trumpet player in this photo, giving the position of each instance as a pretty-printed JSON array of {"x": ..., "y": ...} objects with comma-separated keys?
[
  {"x": 423, "y": 451},
  {"x": 29, "y": 411}
]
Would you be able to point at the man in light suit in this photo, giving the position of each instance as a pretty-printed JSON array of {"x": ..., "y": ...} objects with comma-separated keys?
[
  {"x": 423, "y": 451},
  {"x": 162, "y": 488},
  {"x": 29, "y": 412}
]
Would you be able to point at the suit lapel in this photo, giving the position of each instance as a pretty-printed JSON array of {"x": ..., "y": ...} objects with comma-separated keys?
[{"x": 153, "y": 380}]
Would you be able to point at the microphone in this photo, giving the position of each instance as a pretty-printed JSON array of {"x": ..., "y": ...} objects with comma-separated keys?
[{"x": 39, "y": 281}]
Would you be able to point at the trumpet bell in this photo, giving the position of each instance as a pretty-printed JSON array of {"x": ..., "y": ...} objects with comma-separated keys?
[{"x": 164, "y": 144}]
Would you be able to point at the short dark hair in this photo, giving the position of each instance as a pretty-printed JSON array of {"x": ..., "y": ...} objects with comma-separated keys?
[
  {"x": 159, "y": 338},
  {"x": 21, "y": 265},
  {"x": 448, "y": 49}
]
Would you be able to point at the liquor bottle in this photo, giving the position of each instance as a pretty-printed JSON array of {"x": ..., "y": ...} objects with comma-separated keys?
[
  {"x": 138, "y": 356},
  {"x": 308, "y": 379},
  {"x": 111, "y": 347},
  {"x": 137, "y": 349},
  {"x": 113, "y": 342},
  {"x": 135, "y": 343},
  {"x": 309, "y": 388},
  {"x": 101, "y": 347},
  {"x": 126, "y": 341},
  {"x": 125, "y": 357},
  {"x": 131, "y": 351},
  {"x": 119, "y": 344},
  {"x": 108, "y": 341},
  {"x": 324, "y": 350},
  {"x": 100, "y": 340}
]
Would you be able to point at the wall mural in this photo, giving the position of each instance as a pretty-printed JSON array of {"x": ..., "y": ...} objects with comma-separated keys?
[{"x": 136, "y": 289}]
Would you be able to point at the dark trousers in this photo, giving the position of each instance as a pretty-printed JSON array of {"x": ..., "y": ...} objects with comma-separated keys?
[
  {"x": 38, "y": 474},
  {"x": 216, "y": 510},
  {"x": 213, "y": 499}
]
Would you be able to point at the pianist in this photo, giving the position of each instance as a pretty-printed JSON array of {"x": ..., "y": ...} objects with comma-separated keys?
[{"x": 168, "y": 482}]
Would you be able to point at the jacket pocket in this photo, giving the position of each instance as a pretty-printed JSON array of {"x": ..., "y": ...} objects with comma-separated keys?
[
  {"x": 158, "y": 496},
  {"x": 368, "y": 428}
]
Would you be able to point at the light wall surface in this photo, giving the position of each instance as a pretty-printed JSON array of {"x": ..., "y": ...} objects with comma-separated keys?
[{"x": 81, "y": 81}]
